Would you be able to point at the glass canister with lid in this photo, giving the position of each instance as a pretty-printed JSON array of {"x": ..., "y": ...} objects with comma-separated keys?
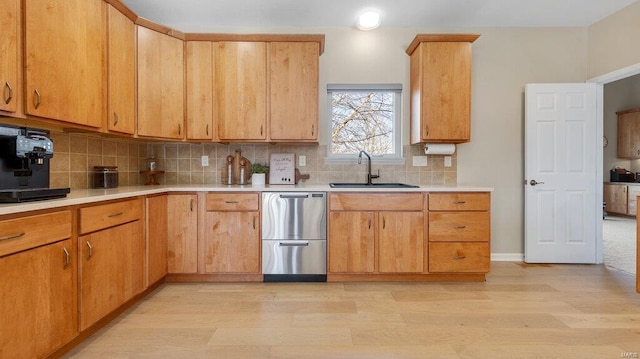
[{"x": 105, "y": 176}]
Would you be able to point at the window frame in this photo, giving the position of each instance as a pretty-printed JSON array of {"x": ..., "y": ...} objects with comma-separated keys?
[{"x": 395, "y": 158}]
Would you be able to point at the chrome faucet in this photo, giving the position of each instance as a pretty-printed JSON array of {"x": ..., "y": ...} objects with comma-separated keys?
[{"x": 369, "y": 175}]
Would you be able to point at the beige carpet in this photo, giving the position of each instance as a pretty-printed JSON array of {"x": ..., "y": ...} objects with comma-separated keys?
[{"x": 619, "y": 243}]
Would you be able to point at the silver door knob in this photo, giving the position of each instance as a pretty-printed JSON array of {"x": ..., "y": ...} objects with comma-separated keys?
[{"x": 534, "y": 182}]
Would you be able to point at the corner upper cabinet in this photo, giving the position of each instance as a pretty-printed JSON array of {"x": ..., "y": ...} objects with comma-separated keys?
[
  {"x": 241, "y": 90},
  {"x": 440, "y": 76},
  {"x": 199, "y": 90},
  {"x": 160, "y": 85},
  {"x": 121, "y": 74},
  {"x": 293, "y": 90},
  {"x": 629, "y": 133},
  {"x": 65, "y": 60},
  {"x": 9, "y": 86}
]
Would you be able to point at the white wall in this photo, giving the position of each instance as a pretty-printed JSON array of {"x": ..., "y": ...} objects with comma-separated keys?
[{"x": 613, "y": 41}]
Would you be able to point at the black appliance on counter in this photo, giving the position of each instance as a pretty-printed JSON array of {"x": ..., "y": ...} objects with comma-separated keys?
[
  {"x": 621, "y": 175},
  {"x": 25, "y": 154}
]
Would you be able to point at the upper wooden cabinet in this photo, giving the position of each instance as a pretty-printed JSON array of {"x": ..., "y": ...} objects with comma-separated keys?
[
  {"x": 9, "y": 23},
  {"x": 121, "y": 72},
  {"x": 65, "y": 60},
  {"x": 241, "y": 90},
  {"x": 441, "y": 88},
  {"x": 160, "y": 85},
  {"x": 629, "y": 133},
  {"x": 293, "y": 91},
  {"x": 199, "y": 89}
]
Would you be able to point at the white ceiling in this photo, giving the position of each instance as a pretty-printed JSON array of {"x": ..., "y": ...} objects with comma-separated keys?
[{"x": 203, "y": 15}]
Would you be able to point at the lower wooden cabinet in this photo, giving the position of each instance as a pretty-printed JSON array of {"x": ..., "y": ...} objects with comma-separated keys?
[
  {"x": 352, "y": 242},
  {"x": 38, "y": 287},
  {"x": 373, "y": 233},
  {"x": 182, "y": 233},
  {"x": 112, "y": 257},
  {"x": 232, "y": 233},
  {"x": 615, "y": 198},
  {"x": 401, "y": 242},
  {"x": 232, "y": 242},
  {"x": 156, "y": 238},
  {"x": 38, "y": 301},
  {"x": 459, "y": 232}
]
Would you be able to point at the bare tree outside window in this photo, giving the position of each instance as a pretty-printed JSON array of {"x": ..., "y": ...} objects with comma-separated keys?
[{"x": 362, "y": 120}]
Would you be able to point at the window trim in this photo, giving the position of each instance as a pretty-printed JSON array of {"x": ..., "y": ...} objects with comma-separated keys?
[{"x": 398, "y": 157}]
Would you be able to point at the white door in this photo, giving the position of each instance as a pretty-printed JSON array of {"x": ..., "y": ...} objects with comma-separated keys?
[{"x": 561, "y": 208}]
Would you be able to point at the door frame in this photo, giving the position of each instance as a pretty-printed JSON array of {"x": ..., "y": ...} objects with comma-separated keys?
[{"x": 600, "y": 81}]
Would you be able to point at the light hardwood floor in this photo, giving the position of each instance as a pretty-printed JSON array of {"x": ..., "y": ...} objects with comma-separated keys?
[{"x": 521, "y": 311}]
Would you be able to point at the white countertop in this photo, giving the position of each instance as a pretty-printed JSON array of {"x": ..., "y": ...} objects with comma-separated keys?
[{"x": 86, "y": 196}]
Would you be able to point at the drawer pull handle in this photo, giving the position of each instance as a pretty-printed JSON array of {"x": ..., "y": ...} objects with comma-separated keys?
[
  {"x": 459, "y": 257},
  {"x": 67, "y": 258},
  {"x": 254, "y": 222},
  {"x": 116, "y": 214},
  {"x": 37, "y": 93},
  {"x": 10, "y": 97},
  {"x": 12, "y": 236},
  {"x": 369, "y": 222},
  {"x": 461, "y": 202},
  {"x": 231, "y": 202},
  {"x": 384, "y": 223},
  {"x": 460, "y": 227},
  {"x": 90, "y": 250},
  {"x": 115, "y": 118}
]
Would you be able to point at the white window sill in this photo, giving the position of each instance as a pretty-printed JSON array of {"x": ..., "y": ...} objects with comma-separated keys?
[{"x": 374, "y": 161}]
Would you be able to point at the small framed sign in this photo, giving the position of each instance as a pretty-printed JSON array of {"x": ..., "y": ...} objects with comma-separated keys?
[{"x": 282, "y": 169}]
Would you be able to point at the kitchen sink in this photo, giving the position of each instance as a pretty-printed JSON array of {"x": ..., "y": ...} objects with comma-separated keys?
[{"x": 373, "y": 185}]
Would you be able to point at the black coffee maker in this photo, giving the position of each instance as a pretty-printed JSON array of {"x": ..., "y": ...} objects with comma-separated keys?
[{"x": 25, "y": 154}]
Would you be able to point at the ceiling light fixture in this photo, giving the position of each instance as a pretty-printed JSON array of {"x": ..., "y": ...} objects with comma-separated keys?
[{"x": 369, "y": 20}]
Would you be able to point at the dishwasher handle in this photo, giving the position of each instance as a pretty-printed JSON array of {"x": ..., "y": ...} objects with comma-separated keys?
[
  {"x": 294, "y": 243},
  {"x": 296, "y": 195}
]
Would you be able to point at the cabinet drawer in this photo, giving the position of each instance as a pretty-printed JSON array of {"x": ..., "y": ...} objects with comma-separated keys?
[
  {"x": 108, "y": 215},
  {"x": 233, "y": 201},
  {"x": 27, "y": 232},
  {"x": 376, "y": 202},
  {"x": 459, "y": 257},
  {"x": 459, "y": 226},
  {"x": 459, "y": 201}
]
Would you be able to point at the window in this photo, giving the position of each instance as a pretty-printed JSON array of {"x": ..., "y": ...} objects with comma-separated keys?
[{"x": 364, "y": 117}]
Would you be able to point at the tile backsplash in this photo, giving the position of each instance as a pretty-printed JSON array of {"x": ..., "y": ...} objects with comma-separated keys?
[
  {"x": 182, "y": 164},
  {"x": 76, "y": 154}
]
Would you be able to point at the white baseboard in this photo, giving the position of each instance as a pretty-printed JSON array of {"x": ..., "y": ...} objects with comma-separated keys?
[{"x": 507, "y": 257}]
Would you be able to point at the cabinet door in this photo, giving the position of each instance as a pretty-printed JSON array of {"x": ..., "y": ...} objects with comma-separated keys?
[
  {"x": 9, "y": 20},
  {"x": 182, "y": 233},
  {"x": 65, "y": 60},
  {"x": 615, "y": 197},
  {"x": 351, "y": 242},
  {"x": 293, "y": 91},
  {"x": 160, "y": 85},
  {"x": 442, "y": 70},
  {"x": 199, "y": 89},
  {"x": 156, "y": 238},
  {"x": 122, "y": 52},
  {"x": 39, "y": 301},
  {"x": 632, "y": 199},
  {"x": 401, "y": 242},
  {"x": 111, "y": 270},
  {"x": 232, "y": 242},
  {"x": 241, "y": 90},
  {"x": 629, "y": 134}
]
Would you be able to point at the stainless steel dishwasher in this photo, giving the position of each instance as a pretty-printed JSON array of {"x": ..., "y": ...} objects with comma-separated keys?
[{"x": 294, "y": 236}]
